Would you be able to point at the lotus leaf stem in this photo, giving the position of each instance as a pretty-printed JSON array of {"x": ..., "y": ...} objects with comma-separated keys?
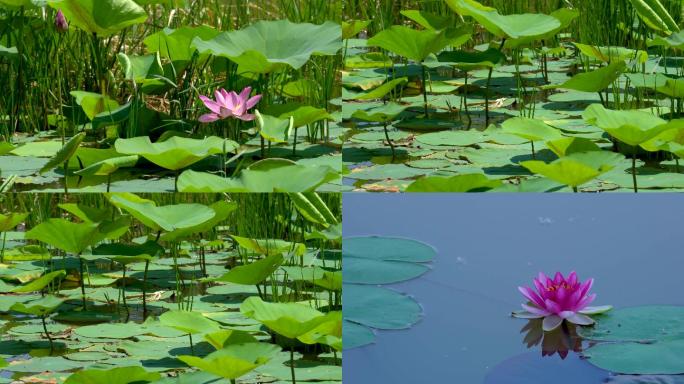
[
  {"x": 83, "y": 295},
  {"x": 292, "y": 369},
  {"x": 634, "y": 175},
  {"x": 144, "y": 288},
  {"x": 192, "y": 347},
  {"x": 47, "y": 334},
  {"x": 425, "y": 101},
  {"x": 389, "y": 141}
]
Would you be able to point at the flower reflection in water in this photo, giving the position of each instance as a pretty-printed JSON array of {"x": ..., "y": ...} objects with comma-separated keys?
[{"x": 561, "y": 340}]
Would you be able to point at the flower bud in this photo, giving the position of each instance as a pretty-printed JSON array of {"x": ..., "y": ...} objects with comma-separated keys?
[{"x": 61, "y": 22}]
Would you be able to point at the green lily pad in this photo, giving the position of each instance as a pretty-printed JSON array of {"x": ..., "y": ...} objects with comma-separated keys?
[
  {"x": 379, "y": 308},
  {"x": 253, "y": 273},
  {"x": 452, "y": 138},
  {"x": 39, "y": 307},
  {"x": 167, "y": 217},
  {"x": 414, "y": 44},
  {"x": 576, "y": 169},
  {"x": 356, "y": 335}
]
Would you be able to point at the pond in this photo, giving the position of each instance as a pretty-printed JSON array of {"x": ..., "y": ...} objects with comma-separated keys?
[{"x": 486, "y": 248}]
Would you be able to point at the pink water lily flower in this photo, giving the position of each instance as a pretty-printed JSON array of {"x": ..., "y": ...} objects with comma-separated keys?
[
  {"x": 229, "y": 104},
  {"x": 560, "y": 299}
]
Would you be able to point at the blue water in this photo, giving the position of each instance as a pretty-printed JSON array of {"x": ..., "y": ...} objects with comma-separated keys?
[{"x": 489, "y": 245}]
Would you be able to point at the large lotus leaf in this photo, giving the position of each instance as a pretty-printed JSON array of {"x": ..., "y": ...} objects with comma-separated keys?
[
  {"x": 593, "y": 81},
  {"x": 40, "y": 283},
  {"x": 508, "y": 26},
  {"x": 94, "y": 103},
  {"x": 675, "y": 40},
  {"x": 453, "y": 138},
  {"x": 313, "y": 208},
  {"x": 274, "y": 129},
  {"x": 460, "y": 183},
  {"x": 221, "y": 208},
  {"x": 101, "y": 17},
  {"x": 140, "y": 68},
  {"x": 379, "y": 308},
  {"x": 253, "y": 273},
  {"x": 65, "y": 235},
  {"x": 112, "y": 229},
  {"x": 176, "y": 152},
  {"x": 644, "y": 324},
  {"x": 108, "y": 166},
  {"x": 673, "y": 87},
  {"x": 382, "y": 114},
  {"x": 356, "y": 335},
  {"x": 266, "y": 46},
  {"x": 414, "y": 44},
  {"x": 188, "y": 322},
  {"x": 429, "y": 20},
  {"x": 225, "y": 337},
  {"x": 328, "y": 332},
  {"x": 119, "y": 375},
  {"x": 271, "y": 175},
  {"x": 40, "y": 307},
  {"x": 530, "y": 129},
  {"x": 20, "y": 3},
  {"x": 65, "y": 153},
  {"x": 352, "y": 28},
  {"x": 167, "y": 217},
  {"x": 382, "y": 90},
  {"x": 270, "y": 247},
  {"x": 287, "y": 319},
  {"x": 175, "y": 44},
  {"x": 576, "y": 169},
  {"x": 569, "y": 145},
  {"x": 629, "y": 126},
  {"x": 468, "y": 61},
  {"x": 612, "y": 54},
  {"x": 11, "y": 220},
  {"x": 302, "y": 114},
  {"x": 234, "y": 360}
]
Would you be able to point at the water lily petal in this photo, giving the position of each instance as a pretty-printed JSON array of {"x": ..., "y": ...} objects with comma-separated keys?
[
  {"x": 226, "y": 113},
  {"x": 525, "y": 315},
  {"x": 572, "y": 279},
  {"x": 596, "y": 310},
  {"x": 211, "y": 104},
  {"x": 551, "y": 322},
  {"x": 558, "y": 279},
  {"x": 208, "y": 118},
  {"x": 566, "y": 314},
  {"x": 537, "y": 311},
  {"x": 586, "y": 287},
  {"x": 531, "y": 296},
  {"x": 585, "y": 302},
  {"x": 552, "y": 306},
  {"x": 580, "y": 319}
]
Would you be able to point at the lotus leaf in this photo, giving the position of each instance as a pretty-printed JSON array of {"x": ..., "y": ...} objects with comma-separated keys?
[
  {"x": 576, "y": 169},
  {"x": 167, "y": 217},
  {"x": 176, "y": 152},
  {"x": 459, "y": 183},
  {"x": 594, "y": 81},
  {"x": 39, "y": 307},
  {"x": 188, "y": 322},
  {"x": 101, "y": 17},
  {"x": 40, "y": 283},
  {"x": 119, "y": 375},
  {"x": 414, "y": 44},
  {"x": 253, "y": 273},
  {"x": 629, "y": 126},
  {"x": 11, "y": 220},
  {"x": 267, "y": 46},
  {"x": 271, "y": 175},
  {"x": 287, "y": 319},
  {"x": 274, "y": 129},
  {"x": 234, "y": 360},
  {"x": 65, "y": 153},
  {"x": 65, "y": 235}
]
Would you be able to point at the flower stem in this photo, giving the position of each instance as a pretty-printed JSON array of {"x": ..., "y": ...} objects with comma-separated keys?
[{"x": 47, "y": 334}]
